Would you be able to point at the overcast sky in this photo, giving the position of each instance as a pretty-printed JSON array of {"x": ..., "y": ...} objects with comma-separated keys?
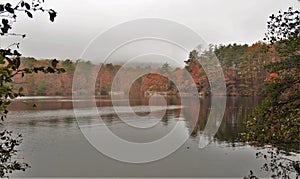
[{"x": 79, "y": 21}]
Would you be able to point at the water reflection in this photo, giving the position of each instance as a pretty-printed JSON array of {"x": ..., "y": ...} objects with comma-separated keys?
[
  {"x": 54, "y": 146},
  {"x": 55, "y": 111}
]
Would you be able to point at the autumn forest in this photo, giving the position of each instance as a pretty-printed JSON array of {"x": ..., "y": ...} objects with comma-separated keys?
[{"x": 243, "y": 68}]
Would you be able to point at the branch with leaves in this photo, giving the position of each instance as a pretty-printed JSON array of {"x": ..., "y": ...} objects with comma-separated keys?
[
  {"x": 8, "y": 13},
  {"x": 276, "y": 121},
  {"x": 10, "y": 66}
]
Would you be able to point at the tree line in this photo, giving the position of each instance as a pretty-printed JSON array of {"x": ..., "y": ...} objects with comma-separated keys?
[{"x": 243, "y": 67}]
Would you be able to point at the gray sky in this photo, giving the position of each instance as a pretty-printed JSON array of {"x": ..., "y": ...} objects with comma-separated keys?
[{"x": 79, "y": 21}]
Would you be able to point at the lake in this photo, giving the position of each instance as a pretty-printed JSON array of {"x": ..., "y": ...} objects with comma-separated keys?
[{"x": 54, "y": 145}]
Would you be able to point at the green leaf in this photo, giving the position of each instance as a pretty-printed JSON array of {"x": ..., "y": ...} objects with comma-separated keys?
[
  {"x": 20, "y": 89},
  {"x": 62, "y": 70},
  {"x": 16, "y": 53},
  {"x": 8, "y": 8},
  {"x": 4, "y": 21},
  {"x": 2, "y": 60},
  {"x": 50, "y": 70},
  {"x": 52, "y": 15},
  {"x": 1, "y": 7},
  {"x": 18, "y": 62},
  {"x": 5, "y": 28},
  {"x": 27, "y": 6},
  {"x": 54, "y": 63},
  {"x": 28, "y": 13}
]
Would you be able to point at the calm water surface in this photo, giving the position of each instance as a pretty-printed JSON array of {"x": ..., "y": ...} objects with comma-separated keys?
[{"x": 55, "y": 147}]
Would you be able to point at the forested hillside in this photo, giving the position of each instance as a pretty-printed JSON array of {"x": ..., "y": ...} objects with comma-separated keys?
[{"x": 243, "y": 67}]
